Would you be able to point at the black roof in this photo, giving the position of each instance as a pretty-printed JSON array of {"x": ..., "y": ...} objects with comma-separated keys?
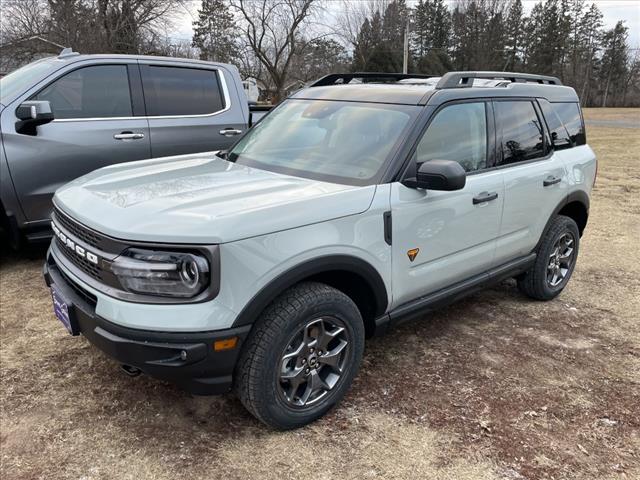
[{"x": 407, "y": 89}]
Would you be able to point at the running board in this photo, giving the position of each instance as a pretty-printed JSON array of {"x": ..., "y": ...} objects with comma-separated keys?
[{"x": 448, "y": 295}]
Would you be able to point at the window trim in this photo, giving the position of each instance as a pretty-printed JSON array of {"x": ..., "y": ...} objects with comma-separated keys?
[
  {"x": 221, "y": 79},
  {"x": 546, "y": 137},
  {"x": 491, "y": 137},
  {"x": 84, "y": 66},
  {"x": 222, "y": 87}
]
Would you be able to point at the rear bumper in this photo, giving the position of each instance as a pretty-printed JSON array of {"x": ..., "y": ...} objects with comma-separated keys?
[{"x": 186, "y": 359}]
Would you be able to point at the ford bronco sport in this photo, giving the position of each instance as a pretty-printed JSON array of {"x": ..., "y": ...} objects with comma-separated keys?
[{"x": 359, "y": 202}]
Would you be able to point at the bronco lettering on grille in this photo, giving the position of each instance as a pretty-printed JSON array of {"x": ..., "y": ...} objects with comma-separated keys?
[{"x": 70, "y": 244}]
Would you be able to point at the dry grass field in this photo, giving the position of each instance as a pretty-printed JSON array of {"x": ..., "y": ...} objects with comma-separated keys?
[{"x": 494, "y": 387}]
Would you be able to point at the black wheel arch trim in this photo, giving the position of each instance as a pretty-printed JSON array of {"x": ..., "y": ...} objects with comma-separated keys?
[
  {"x": 579, "y": 196},
  {"x": 324, "y": 264}
]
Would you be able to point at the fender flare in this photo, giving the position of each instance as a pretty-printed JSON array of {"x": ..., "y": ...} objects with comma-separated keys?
[
  {"x": 579, "y": 196},
  {"x": 316, "y": 266}
]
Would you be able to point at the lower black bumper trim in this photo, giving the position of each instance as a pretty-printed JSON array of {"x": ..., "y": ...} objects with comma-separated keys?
[{"x": 184, "y": 358}]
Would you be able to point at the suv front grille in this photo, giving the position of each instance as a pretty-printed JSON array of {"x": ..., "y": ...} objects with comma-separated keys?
[
  {"x": 78, "y": 230},
  {"x": 83, "y": 264}
]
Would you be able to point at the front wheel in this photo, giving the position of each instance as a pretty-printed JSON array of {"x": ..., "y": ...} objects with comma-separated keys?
[
  {"x": 301, "y": 356},
  {"x": 555, "y": 262}
]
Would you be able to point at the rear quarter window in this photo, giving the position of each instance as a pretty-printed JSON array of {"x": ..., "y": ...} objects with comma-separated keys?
[{"x": 570, "y": 115}]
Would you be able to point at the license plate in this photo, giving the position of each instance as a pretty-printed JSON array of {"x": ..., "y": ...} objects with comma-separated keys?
[{"x": 63, "y": 310}]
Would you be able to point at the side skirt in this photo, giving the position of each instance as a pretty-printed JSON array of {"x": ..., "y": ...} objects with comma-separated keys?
[{"x": 448, "y": 295}]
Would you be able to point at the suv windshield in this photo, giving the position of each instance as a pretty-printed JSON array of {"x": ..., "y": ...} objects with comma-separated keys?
[
  {"x": 23, "y": 78},
  {"x": 333, "y": 141}
]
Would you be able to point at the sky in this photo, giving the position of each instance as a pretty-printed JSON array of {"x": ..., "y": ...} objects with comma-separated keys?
[{"x": 612, "y": 10}]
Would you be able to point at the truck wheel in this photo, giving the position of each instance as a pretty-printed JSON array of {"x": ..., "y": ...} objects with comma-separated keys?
[
  {"x": 301, "y": 356},
  {"x": 555, "y": 262}
]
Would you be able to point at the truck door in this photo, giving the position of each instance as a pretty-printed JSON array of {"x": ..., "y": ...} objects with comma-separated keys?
[
  {"x": 95, "y": 125},
  {"x": 440, "y": 237},
  {"x": 191, "y": 107}
]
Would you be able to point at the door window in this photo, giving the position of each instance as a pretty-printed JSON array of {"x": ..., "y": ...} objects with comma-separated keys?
[
  {"x": 181, "y": 91},
  {"x": 459, "y": 133},
  {"x": 100, "y": 91},
  {"x": 522, "y": 132}
]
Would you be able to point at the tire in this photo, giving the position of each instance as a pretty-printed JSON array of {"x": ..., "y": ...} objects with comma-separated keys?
[
  {"x": 555, "y": 257},
  {"x": 293, "y": 346}
]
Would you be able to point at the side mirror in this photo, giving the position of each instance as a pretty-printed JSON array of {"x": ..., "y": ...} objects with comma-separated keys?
[
  {"x": 438, "y": 175},
  {"x": 31, "y": 114}
]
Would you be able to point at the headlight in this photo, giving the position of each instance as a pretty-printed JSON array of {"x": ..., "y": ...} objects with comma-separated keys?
[{"x": 168, "y": 274}]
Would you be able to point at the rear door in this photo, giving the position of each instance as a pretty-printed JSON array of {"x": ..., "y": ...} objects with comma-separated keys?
[
  {"x": 439, "y": 237},
  {"x": 535, "y": 177},
  {"x": 96, "y": 108},
  {"x": 189, "y": 107}
]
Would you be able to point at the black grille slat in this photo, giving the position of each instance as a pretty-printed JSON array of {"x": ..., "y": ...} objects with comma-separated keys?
[
  {"x": 82, "y": 263},
  {"x": 78, "y": 230},
  {"x": 88, "y": 297}
]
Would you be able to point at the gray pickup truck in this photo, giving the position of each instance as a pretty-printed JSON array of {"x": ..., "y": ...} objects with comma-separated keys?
[{"x": 62, "y": 117}]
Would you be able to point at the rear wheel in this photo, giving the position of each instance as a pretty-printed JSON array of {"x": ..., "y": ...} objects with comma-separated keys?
[
  {"x": 555, "y": 262},
  {"x": 301, "y": 357}
]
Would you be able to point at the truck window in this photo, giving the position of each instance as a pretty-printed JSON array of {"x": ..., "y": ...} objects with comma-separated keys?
[
  {"x": 569, "y": 113},
  {"x": 458, "y": 133},
  {"x": 99, "y": 91},
  {"x": 559, "y": 134},
  {"x": 181, "y": 91},
  {"x": 522, "y": 132}
]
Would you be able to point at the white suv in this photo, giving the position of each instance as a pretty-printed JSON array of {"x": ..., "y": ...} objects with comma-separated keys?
[{"x": 360, "y": 201}]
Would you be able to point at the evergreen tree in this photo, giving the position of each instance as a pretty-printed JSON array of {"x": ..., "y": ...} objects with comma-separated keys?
[
  {"x": 215, "y": 32},
  {"x": 514, "y": 36},
  {"x": 614, "y": 62}
]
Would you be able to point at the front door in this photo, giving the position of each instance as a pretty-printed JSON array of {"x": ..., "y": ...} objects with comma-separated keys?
[
  {"x": 438, "y": 237},
  {"x": 94, "y": 126}
]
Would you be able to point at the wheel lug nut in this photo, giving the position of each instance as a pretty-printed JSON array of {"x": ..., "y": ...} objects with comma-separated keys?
[{"x": 307, "y": 370}]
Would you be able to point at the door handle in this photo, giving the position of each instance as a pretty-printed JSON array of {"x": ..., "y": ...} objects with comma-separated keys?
[
  {"x": 484, "y": 197},
  {"x": 230, "y": 132},
  {"x": 128, "y": 136},
  {"x": 551, "y": 180}
]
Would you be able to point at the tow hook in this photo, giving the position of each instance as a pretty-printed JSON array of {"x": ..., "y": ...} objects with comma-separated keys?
[{"x": 131, "y": 371}]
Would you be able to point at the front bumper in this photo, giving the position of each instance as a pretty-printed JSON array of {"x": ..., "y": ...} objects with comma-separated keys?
[{"x": 186, "y": 359}]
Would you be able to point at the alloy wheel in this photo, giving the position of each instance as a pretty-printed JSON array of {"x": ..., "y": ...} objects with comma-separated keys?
[
  {"x": 313, "y": 361},
  {"x": 561, "y": 259}
]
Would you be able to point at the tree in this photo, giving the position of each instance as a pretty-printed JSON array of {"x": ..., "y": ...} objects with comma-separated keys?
[
  {"x": 431, "y": 27},
  {"x": 215, "y": 32},
  {"x": 614, "y": 61},
  {"x": 514, "y": 36},
  {"x": 273, "y": 31}
]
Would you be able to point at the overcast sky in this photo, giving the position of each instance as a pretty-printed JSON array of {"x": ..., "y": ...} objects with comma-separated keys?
[{"x": 613, "y": 10}]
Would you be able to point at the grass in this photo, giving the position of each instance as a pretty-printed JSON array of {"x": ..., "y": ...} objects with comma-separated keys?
[{"x": 494, "y": 387}]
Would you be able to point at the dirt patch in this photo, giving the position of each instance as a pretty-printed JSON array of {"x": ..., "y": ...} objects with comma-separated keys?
[{"x": 496, "y": 386}]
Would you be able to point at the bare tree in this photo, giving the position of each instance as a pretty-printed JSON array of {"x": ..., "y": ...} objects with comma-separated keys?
[{"x": 273, "y": 30}]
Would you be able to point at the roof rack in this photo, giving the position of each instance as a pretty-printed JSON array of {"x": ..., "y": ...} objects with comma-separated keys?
[
  {"x": 367, "y": 77},
  {"x": 465, "y": 79},
  {"x": 67, "y": 52}
]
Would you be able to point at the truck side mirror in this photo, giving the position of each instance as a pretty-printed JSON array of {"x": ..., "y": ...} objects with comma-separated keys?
[
  {"x": 438, "y": 175},
  {"x": 31, "y": 114}
]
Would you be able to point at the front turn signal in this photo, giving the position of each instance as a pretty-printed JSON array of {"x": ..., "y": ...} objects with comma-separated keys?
[{"x": 226, "y": 344}]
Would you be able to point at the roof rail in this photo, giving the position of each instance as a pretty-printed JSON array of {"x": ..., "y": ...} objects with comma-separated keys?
[
  {"x": 465, "y": 79},
  {"x": 67, "y": 52},
  {"x": 367, "y": 77}
]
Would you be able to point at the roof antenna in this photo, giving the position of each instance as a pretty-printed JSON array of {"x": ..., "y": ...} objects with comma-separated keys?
[{"x": 67, "y": 52}]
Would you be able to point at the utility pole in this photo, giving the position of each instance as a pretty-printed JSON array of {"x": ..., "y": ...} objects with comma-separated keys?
[{"x": 405, "y": 60}]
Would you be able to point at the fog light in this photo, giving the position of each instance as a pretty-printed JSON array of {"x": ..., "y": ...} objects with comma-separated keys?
[
  {"x": 183, "y": 354},
  {"x": 226, "y": 344}
]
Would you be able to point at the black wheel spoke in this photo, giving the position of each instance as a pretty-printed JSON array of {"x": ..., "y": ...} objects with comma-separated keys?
[{"x": 313, "y": 361}]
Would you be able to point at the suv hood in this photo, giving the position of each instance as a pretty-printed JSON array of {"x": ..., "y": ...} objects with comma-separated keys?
[{"x": 202, "y": 199}]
